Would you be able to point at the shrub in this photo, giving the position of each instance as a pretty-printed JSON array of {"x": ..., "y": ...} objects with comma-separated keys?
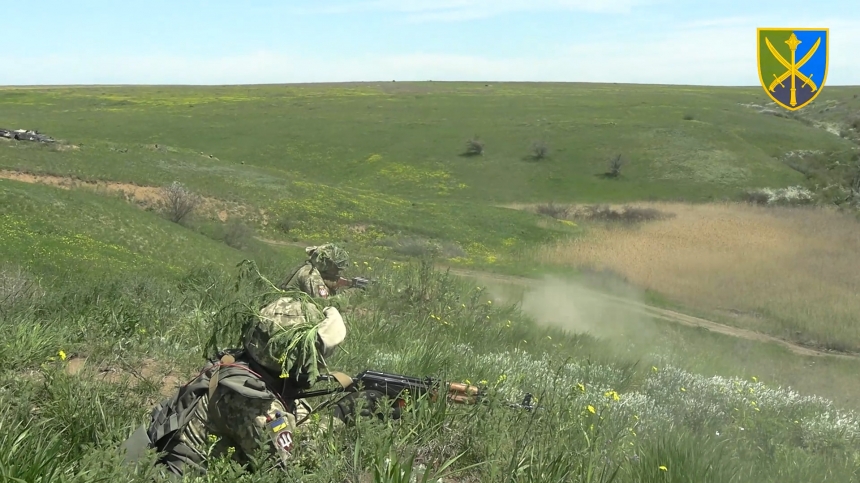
[
  {"x": 540, "y": 150},
  {"x": 756, "y": 197},
  {"x": 284, "y": 224},
  {"x": 615, "y": 165},
  {"x": 627, "y": 214},
  {"x": 791, "y": 196},
  {"x": 237, "y": 234},
  {"x": 554, "y": 210},
  {"x": 178, "y": 201},
  {"x": 474, "y": 147}
]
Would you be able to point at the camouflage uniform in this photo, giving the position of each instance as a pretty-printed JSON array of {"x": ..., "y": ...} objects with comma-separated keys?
[
  {"x": 233, "y": 400},
  {"x": 318, "y": 276}
]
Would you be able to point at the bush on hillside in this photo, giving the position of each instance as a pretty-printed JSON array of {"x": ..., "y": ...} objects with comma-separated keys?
[
  {"x": 178, "y": 202},
  {"x": 474, "y": 147},
  {"x": 615, "y": 165},
  {"x": 540, "y": 150},
  {"x": 602, "y": 213},
  {"x": 626, "y": 214},
  {"x": 237, "y": 234},
  {"x": 554, "y": 210},
  {"x": 790, "y": 196},
  {"x": 284, "y": 224}
]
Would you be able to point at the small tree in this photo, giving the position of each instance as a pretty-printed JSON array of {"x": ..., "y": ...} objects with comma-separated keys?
[
  {"x": 540, "y": 150},
  {"x": 178, "y": 201},
  {"x": 615, "y": 165}
]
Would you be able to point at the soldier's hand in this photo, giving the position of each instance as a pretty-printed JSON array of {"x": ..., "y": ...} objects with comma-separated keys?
[{"x": 342, "y": 282}]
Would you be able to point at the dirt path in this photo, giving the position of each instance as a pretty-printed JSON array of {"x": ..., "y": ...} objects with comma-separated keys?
[{"x": 139, "y": 195}]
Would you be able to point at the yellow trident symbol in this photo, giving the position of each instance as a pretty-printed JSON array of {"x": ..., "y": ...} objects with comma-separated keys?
[{"x": 793, "y": 67}]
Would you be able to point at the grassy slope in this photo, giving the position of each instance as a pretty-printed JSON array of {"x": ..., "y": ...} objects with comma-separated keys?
[
  {"x": 310, "y": 131},
  {"x": 330, "y": 134}
]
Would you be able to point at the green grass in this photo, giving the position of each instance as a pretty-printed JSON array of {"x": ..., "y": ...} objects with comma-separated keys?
[
  {"x": 378, "y": 168},
  {"x": 406, "y": 139}
]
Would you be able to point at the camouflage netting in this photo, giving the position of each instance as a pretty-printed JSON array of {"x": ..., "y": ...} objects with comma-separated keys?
[{"x": 328, "y": 257}]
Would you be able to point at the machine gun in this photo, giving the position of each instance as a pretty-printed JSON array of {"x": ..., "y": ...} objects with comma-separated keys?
[
  {"x": 358, "y": 282},
  {"x": 397, "y": 387}
]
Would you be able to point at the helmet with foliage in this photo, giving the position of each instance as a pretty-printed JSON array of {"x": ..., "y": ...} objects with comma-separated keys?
[
  {"x": 328, "y": 257},
  {"x": 292, "y": 336}
]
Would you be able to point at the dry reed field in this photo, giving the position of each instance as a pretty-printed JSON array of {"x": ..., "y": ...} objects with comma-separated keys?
[{"x": 790, "y": 272}]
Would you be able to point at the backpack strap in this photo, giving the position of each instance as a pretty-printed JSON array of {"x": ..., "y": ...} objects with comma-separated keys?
[{"x": 226, "y": 359}]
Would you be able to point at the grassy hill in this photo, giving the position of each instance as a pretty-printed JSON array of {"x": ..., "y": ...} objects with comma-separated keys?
[
  {"x": 381, "y": 168},
  {"x": 406, "y": 139}
]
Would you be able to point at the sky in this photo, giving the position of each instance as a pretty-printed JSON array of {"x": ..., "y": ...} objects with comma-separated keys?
[{"x": 295, "y": 41}]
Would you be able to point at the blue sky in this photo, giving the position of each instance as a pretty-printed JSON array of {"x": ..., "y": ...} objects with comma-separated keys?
[{"x": 266, "y": 41}]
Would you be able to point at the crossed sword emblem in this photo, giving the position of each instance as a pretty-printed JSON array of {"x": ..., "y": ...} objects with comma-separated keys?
[{"x": 793, "y": 67}]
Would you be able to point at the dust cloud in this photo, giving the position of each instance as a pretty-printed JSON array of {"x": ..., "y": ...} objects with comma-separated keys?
[{"x": 572, "y": 306}]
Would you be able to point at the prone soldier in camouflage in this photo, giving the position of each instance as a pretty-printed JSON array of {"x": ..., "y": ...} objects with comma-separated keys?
[
  {"x": 319, "y": 276},
  {"x": 241, "y": 400}
]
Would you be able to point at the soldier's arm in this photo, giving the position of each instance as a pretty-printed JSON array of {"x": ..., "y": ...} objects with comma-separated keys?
[
  {"x": 252, "y": 422},
  {"x": 313, "y": 285}
]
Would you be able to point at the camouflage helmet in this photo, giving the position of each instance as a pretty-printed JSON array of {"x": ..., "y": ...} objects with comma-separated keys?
[
  {"x": 275, "y": 340},
  {"x": 327, "y": 257}
]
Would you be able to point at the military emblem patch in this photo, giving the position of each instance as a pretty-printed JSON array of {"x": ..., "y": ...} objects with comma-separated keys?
[
  {"x": 281, "y": 435},
  {"x": 792, "y": 64},
  {"x": 285, "y": 440}
]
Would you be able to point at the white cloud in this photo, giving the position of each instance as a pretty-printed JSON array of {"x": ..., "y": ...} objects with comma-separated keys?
[{"x": 719, "y": 53}]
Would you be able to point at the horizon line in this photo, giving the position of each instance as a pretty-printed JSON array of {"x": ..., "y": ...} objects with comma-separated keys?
[{"x": 274, "y": 84}]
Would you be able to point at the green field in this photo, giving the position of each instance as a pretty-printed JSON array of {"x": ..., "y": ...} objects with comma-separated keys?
[{"x": 107, "y": 279}]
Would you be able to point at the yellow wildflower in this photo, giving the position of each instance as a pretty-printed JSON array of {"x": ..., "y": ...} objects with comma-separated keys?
[
  {"x": 581, "y": 387},
  {"x": 62, "y": 355},
  {"x": 591, "y": 409},
  {"x": 663, "y": 468}
]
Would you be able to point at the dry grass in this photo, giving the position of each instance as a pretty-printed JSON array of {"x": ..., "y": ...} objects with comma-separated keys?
[{"x": 790, "y": 272}]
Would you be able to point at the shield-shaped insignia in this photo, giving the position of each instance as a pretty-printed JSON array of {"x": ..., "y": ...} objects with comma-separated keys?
[{"x": 792, "y": 64}]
